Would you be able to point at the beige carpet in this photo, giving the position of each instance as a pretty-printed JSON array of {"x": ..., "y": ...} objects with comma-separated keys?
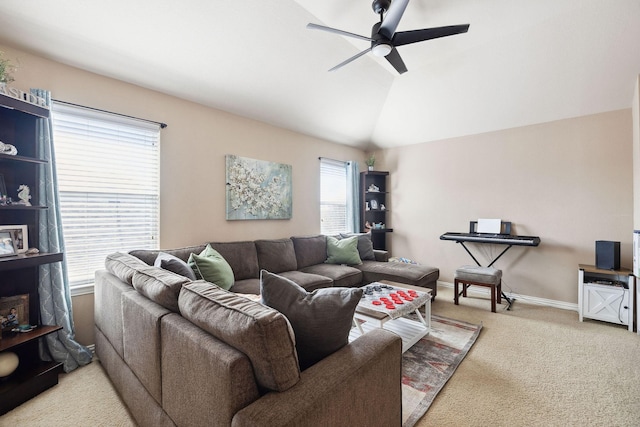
[{"x": 532, "y": 366}]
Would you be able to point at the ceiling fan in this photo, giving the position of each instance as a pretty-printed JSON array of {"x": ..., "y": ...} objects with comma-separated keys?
[{"x": 384, "y": 38}]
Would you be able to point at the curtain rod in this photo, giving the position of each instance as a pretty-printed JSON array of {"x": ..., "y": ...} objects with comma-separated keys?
[
  {"x": 334, "y": 160},
  {"x": 162, "y": 125}
]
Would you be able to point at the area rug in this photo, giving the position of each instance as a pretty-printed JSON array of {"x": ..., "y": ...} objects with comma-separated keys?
[{"x": 428, "y": 365}]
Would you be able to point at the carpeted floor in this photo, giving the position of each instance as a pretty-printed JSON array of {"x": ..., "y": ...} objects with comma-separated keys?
[
  {"x": 531, "y": 366},
  {"x": 538, "y": 366}
]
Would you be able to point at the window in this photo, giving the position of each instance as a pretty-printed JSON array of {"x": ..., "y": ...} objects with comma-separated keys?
[
  {"x": 108, "y": 169},
  {"x": 333, "y": 196}
]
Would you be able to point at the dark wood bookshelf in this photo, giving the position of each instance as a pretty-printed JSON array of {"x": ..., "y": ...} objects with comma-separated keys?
[{"x": 20, "y": 274}]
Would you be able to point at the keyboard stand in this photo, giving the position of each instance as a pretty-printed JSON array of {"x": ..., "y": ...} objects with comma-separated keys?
[{"x": 509, "y": 300}]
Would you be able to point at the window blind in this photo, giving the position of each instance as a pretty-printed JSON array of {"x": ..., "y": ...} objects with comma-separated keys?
[
  {"x": 333, "y": 196},
  {"x": 108, "y": 170}
]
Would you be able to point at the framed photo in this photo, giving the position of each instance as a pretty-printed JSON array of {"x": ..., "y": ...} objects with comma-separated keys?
[
  {"x": 7, "y": 245},
  {"x": 374, "y": 205},
  {"x": 14, "y": 311},
  {"x": 20, "y": 236},
  {"x": 3, "y": 187}
]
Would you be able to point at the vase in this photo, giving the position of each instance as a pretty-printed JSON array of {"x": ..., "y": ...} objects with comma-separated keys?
[
  {"x": 370, "y": 168},
  {"x": 8, "y": 363}
]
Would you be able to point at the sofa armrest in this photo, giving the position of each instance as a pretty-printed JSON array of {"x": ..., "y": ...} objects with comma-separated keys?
[
  {"x": 360, "y": 384},
  {"x": 381, "y": 255}
]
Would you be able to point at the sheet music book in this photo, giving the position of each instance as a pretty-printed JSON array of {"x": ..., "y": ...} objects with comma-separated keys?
[{"x": 487, "y": 225}]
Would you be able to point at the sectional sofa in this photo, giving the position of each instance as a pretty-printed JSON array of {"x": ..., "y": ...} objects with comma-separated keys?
[
  {"x": 302, "y": 259},
  {"x": 184, "y": 352}
]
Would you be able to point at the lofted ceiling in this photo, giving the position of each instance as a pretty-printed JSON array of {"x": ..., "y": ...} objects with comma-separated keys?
[{"x": 522, "y": 61}]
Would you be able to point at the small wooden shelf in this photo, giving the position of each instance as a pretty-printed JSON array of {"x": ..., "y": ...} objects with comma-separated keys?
[
  {"x": 33, "y": 376},
  {"x": 8, "y": 342},
  {"x": 17, "y": 104},
  {"x": 22, "y": 260},
  {"x": 22, "y": 207},
  {"x": 25, "y": 159}
]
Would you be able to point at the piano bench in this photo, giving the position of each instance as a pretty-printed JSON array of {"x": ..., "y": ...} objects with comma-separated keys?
[{"x": 480, "y": 276}]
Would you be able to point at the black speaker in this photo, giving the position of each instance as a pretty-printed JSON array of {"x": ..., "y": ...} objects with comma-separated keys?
[{"x": 607, "y": 255}]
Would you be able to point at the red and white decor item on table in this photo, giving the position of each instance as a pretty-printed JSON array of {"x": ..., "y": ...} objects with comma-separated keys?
[{"x": 385, "y": 305}]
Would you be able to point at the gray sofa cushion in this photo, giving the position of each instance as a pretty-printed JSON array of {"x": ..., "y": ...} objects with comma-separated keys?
[
  {"x": 123, "y": 266},
  {"x": 412, "y": 274},
  {"x": 342, "y": 276},
  {"x": 260, "y": 332},
  {"x": 149, "y": 256},
  {"x": 276, "y": 255},
  {"x": 365, "y": 245},
  {"x": 141, "y": 340},
  {"x": 310, "y": 250},
  {"x": 321, "y": 319},
  {"x": 246, "y": 286},
  {"x": 308, "y": 281},
  {"x": 174, "y": 264},
  {"x": 160, "y": 286},
  {"x": 241, "y": 256}
]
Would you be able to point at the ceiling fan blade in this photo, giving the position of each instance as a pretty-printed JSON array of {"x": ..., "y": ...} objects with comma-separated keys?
[
  {"x": 392, "y": 18},
  {"x": 336, "y": 31},
  {"x": 353, "y": 58},
  {"x": 394, "y": 59},
  {"x": 408, "y": 37}
]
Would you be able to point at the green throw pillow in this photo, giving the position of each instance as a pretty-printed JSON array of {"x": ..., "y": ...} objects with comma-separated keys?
[
  {"x": 343, "y": 251},
  {"x": 212, "y": 267}
]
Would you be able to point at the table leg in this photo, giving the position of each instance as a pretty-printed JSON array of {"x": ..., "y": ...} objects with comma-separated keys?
[
  {"x": 355, "y": 321},
  {"x": 426, "y": 320}
]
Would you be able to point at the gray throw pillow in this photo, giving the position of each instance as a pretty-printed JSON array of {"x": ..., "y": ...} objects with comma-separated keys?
[
  {"x": 365, "y": 245},
  {"x": 174, "y": 264},
  {"x": 321, "y": 319}
]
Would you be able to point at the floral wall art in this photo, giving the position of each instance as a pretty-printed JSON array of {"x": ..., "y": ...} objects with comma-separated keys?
[{"x": 257, "y": 189}]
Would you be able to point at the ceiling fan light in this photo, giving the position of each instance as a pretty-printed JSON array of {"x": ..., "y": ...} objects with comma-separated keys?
[{"x": 382, "y": 49}]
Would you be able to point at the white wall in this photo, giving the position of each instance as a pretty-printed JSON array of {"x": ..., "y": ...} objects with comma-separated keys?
[
  {"x": 193, "y": 149},
  {"x": 569, "y": 182}
]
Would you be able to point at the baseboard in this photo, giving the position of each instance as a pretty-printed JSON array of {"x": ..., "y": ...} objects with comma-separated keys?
[{"x": 518, "y": 297}]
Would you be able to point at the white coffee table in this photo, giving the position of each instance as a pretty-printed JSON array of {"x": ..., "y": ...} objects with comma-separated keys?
[{"x": 367, "y": 317}]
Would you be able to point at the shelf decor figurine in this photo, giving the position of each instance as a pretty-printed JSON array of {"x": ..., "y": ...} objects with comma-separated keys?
[
  {"x": 23, "y": 195},
  {"x": 370, "y": 162},
  {"x": 8, "y": 149}
]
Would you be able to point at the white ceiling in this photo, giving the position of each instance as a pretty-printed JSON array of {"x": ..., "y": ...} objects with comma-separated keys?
[{"x": 522, "y": 61}]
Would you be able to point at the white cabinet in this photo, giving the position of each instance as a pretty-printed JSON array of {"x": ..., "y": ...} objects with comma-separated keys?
[{"x": 606, "y": 295}]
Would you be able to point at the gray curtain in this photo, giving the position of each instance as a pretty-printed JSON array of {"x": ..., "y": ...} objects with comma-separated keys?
[
  {"x": 55, "y": 298},
  {"x": 353, "y": 196}
]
